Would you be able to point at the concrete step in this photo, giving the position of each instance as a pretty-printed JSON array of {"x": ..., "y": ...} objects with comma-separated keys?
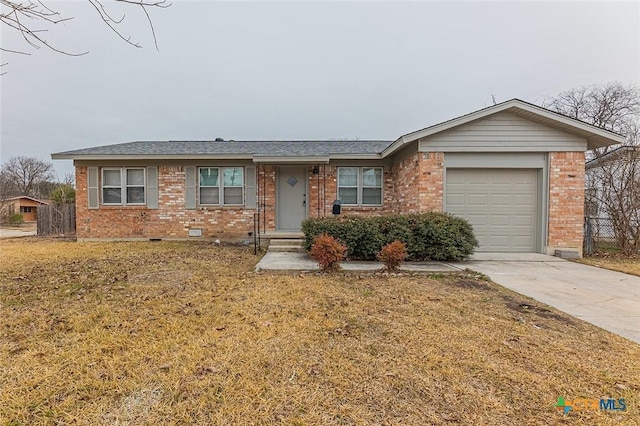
[
  {"x": 286, "y": 242},
  {"x": 282, "y": 235},
  {"x": 291, "y": 245},
  {"x": 288, "y": 249}
]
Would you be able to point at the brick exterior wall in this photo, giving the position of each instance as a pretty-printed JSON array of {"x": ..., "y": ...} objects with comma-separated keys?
[
  {"x": 566, "y": 200},
  {"x": 413, "y": 184},
  {"x": 170, "y": 220},
  {"x": 431, "y": 191},
  {"x": 407, "y": 188},
  {"x": 419, "y": 183},
  {"x": 267, "y": 197},
  {"x": 323, "y": 191}
]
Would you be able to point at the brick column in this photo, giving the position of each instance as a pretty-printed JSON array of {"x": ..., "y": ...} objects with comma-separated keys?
[
  {"x": 419, "y": 183},
  {"x": 82, "y": 214},
  {"x": 267, "y": 197},
  {"x": 566, "y": 200},
  {"x": 431, "y": 181}
]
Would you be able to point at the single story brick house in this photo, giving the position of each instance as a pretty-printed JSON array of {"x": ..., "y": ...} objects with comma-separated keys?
[
  {"x": 26, "y": 206},
  {"x": 514, "y": 170}
]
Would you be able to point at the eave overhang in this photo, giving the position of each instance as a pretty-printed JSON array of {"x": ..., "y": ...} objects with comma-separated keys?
[
  {"x": 107, "y": 157},
  {"x": 303, "y": 159}
]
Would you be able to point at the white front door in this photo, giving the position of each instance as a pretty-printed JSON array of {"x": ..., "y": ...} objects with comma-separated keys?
[{"x": 291, "y": 197}]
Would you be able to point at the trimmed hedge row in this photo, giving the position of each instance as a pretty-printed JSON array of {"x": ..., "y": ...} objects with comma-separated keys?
[{"x": 428, "y": 236}]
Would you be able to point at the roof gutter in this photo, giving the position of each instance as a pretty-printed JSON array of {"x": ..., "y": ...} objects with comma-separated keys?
[
  {"x": 91, "y": 157},
  {"x": 308, "y": 159},
  {"x": 401, "y": 141}
]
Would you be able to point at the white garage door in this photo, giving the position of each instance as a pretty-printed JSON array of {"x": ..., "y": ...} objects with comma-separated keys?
[{"x": 501, "y": 204}]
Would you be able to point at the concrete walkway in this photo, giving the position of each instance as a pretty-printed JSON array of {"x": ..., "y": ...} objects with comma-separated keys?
[
  {"x": 608, "y": 299},
  {"x": 282, "y": 261}
]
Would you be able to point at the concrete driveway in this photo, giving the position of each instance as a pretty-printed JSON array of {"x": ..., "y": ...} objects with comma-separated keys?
[
  {"x": 13, "y": 232},
  {"x": 608, "y": 299}
]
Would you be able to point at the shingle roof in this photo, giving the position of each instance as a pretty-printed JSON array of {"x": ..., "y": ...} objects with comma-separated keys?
[
  {"x": 614, "y": 154},
  {"x": 596, "y": 137},
  {"x": 250, "y": 148},
  {"x": 24, "y": 196}
]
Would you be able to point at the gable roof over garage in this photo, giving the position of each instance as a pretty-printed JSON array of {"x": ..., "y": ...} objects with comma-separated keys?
[{"x": 595, "y": 136}]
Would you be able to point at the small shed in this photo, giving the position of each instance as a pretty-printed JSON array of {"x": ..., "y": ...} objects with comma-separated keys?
[{"x": 27, "y": 206}]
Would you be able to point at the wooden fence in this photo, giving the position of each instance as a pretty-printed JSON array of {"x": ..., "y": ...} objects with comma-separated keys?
[{"x": 57, "y": 219}]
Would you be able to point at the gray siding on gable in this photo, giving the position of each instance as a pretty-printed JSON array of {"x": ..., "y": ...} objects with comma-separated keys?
[
  {"x": 512, "y": 160},
  {"x": 502, "y": 132}
]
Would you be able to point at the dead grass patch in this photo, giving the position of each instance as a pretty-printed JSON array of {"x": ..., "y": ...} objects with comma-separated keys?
[
  {"x": 184, "y": 333},
  {"x": 29, "y": 226},
  {"x": 628, "y": 265}
]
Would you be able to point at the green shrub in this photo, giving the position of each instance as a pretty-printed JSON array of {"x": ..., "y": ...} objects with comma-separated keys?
[
  {"x": 392, "y": 255},
  {"x": 427, "y": 236},
  {"x": 63, "y": 194},
  {"x": 16, "y": 219},
  {"x": 328, "y": 252}
]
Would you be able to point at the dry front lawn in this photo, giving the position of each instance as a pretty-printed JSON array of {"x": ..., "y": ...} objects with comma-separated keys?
[
  {"x": 628, "y": 265},
  {"x": 186, "y": 333}
]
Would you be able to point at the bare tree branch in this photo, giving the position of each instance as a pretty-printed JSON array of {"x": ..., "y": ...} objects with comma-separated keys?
[
  {"x": 153, "y": 31},
  {"x": 609, "y": 106},
  {"x": 111, "y": 22},
  {"x": 26, "y": 176},
  {"x": 613, "y": 173},
  {"x": 28, "y": 17},
  {"x": 13, "y": 51}
]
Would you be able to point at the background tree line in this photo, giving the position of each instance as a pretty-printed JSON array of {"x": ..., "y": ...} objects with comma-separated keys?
[
  {"x": 612, "y": 196},
  {"x": 28, "y": 176}
]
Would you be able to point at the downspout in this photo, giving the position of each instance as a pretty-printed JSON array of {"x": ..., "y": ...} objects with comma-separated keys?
[
  {"x": 324, "y": 190},
  {"x": 264, "y": 198},
  {"x": 259, "y": 194}
]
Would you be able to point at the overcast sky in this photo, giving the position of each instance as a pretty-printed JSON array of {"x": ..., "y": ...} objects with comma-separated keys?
[{"x": 326, "y": 70}]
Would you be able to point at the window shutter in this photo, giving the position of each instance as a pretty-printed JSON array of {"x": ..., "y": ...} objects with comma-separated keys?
[
  {"x": 250, "y": 196},
  {"x": 92, "y": 187},
  {"x": 152, "y": 187},
  {"x": 190, "y": 188}
]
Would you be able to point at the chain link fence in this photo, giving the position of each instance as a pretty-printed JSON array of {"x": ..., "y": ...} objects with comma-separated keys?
[{"x": 601, "y": 236}]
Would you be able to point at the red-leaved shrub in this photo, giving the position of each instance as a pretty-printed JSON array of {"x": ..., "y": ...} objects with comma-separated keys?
[
  {"x": 328, "y": 252},
  {"x": 392, "y": 255}
]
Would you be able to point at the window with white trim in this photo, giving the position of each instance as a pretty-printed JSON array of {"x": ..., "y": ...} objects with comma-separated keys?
[
  {"x": 360, "y": 186},
  {"x": 221, "y": 186},
  {"x": 123, "y": 186}
]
